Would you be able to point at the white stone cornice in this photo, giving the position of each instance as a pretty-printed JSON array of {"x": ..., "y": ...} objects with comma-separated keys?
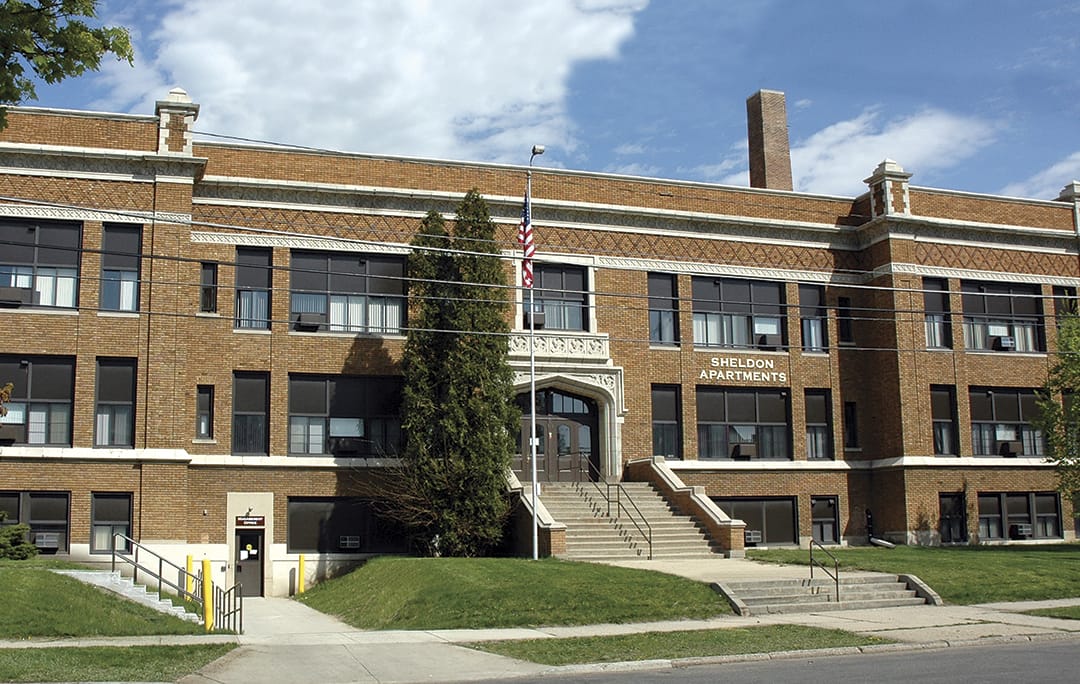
[
  {"x": 297, "y": 242},
  {"x": 973, "y": 274},
  {"x": 833, "y": 466},
  {"x": 32, "y": 211}
]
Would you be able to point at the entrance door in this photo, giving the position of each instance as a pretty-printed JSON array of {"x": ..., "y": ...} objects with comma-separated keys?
[
  {"x": 567, "y": 438},
  {"x": 249, "y": 561}
]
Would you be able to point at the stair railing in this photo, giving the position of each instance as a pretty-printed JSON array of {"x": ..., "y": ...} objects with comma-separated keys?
[
  {"x": 834, "y": 573},
  {"x": 641, "y": 523},
  {"x": 128, "y": 551}
]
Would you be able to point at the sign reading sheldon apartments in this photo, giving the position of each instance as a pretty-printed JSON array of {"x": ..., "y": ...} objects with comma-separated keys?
[{"x": 739, "y": 369}]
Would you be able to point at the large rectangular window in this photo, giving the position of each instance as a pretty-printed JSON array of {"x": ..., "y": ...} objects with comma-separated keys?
[
  {"x": 666, "y": 421},
  {"x": 347, "y": 292},
  {"x": 115, "y": 423},
  {"x": 936, "y": 313},
  {"x": 41, "y": 258},
  {"x": 42, "y": 400},
  {"x": 818, "y": 424},
  {"x": 120, "y": 250},
  {"x": 1002, "y": 317},
  {"x": 742, "y": 314},
  {"x": 813, "y": 317},
  {"x": 251, "y": 413},
  {"x": 825, "y": 519},
  {"x": 340, "y": 525},
  {"x": 110, "y": 514},
  {"x": 663, "y": 308},
  {"x": 561, "y": 293},
  {"x": 943, "y": 415},
  {"x": 743, "y": 424},
  {"x": 46, "y": 513},
  {"x": 952, "y": 518},
  {"x": 768, "y": 521},
  {"x": 1002, "y": 422},
  {"x": 1019, "y": 515},
  {"x": 253, "y": 283},
  {"x": 344, "y": 415}
]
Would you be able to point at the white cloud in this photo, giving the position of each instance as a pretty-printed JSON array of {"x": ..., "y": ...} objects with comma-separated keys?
[
  {"x": 627, "y": 149},
  {"x": 836, "y": 159},
  {"x": 1047, "y": 183},
  {"x": 471, "y": 79},
  {"x": 635, "y": 169}
]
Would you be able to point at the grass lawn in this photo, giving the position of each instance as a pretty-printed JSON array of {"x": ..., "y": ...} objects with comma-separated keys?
[
  {"x": 107, "y": 663},
  {"x": 670, "y": 645},
  {"x": 965, "y": 574},
  {"x": 451, "y": 593},
  {"x": 1065, "y": 613},
  {"x": 39, "y": 603}
]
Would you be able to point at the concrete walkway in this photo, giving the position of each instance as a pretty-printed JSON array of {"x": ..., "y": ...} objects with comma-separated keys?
[{"x": 286, "y": 641}]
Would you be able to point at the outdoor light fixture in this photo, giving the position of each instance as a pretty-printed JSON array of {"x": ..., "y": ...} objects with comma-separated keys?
[{"x": 527, "y": 244}]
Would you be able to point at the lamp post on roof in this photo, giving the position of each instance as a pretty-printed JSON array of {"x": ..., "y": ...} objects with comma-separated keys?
[{"x": 525, "y": 237}]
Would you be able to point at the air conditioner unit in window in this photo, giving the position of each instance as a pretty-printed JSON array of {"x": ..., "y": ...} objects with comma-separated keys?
[
  {"x": 1020, "y": 531},
  {"x": 1003, "y": 343},
  {"x": 12, "y": 433},
  {"x": 537, "y": 319},
  {"x": 743, "y": 451},
  {"x": 310, "y": 321},
  {"x": 752, "y": 536},
  {"x": 14, "y": 297},
  {"x": 769, "y": 341},
  {"x": 47, "y": 540},
  {"x": 345, "y": 445},
  {"x": 1010, "y": 449},
  {"x": 349, "y": 543}
]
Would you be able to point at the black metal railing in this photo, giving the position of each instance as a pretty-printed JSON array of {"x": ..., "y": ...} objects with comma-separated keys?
[
  {"x": 817, "y": 562},
  {"x": 605, "y": 489},
  {"x": 160, "y": 570},
  {"x": 229, "y": 609}
]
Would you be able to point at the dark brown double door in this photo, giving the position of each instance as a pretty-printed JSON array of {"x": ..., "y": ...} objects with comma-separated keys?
[{"x": 566, "y": 431}]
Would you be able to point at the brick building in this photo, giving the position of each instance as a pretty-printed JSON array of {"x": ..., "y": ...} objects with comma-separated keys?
[{"x": 204, "y": 339}]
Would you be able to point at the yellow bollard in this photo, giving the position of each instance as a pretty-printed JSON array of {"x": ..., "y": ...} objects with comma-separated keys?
[
  {"x": 207, "y": 596},
  {"x": 300, "y": 576},
  {"x": 188, "y": 579}
]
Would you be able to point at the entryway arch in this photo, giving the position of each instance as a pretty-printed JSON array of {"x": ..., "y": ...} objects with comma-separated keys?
[{"x": 568, "y": 437}]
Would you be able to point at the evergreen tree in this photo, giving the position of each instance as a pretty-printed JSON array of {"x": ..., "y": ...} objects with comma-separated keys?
[
  {"x": 459, "y": 414},
  {"x": 1060, "y": 409}
]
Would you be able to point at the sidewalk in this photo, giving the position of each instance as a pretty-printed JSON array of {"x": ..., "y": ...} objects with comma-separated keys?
[{"x": 286, "y": 641}]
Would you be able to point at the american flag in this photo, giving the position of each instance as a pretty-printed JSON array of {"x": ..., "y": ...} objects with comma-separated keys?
[{"x": 525, "y": 239}]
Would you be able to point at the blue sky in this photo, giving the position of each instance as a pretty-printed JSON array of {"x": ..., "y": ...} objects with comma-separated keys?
[{"x": 982, "y": 96}]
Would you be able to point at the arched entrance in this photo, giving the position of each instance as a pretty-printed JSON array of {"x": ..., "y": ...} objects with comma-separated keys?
[{"x": 568, "y": 446}]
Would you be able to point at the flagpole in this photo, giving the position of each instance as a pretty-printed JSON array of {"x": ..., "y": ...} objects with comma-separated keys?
[{"x": 536, "y": 150}]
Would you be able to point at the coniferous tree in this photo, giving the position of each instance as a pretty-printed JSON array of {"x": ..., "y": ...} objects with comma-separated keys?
[
  {"x": 1059, "y": 408},
  {"x": 459, "y": 414}
]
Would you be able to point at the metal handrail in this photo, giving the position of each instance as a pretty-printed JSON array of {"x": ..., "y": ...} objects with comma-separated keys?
[
  {"x": 182, "y": 575},
  {"x": 620, "y": 493},
  {"x": 229, "y": 608},
  {"x": 835, "y": 574}
]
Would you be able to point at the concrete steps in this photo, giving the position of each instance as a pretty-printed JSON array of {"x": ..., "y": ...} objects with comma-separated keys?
[
  {"x": 126, "y": 588},
  {"x": 811, "y": 596},
  {"x": 594, "y": 534}
]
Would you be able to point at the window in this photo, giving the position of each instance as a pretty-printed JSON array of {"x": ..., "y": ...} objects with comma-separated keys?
[
  {"x": 42, "y": 400},
  {"x": 743, "y": 424},
  {"x": 46, "y": 513},
  {"x": 120, "y": 249},
  {"x": 818, "y": 424},
  {"x": 204, "y": 412},
  {"x": 825, "y": 519},
  {"x": 561, "y": 294},
  {"x": 812, "y": 318},
  {"x": 666, "y": 421},
  {"x": 768, "y": 521},
  {"x": 347, "y": 292},
  {"x": 251, "y": 414},
  {"x": 845, "y": 321},
  {"x": 743, "y": 314},
  {"x": 42, "y": 257},
  {"x": 115, "y": 426},
  {"x": 339, "y": 525},
  {"x": 663, "y": 308},
  {"x": 253, "y": 288},
  {"x": 936, "y": 312},
  {"x": 952, "y": 518},
  {"x": 1002, "y": 317},
  {"x": 1001, "y": 422},
  {"x": 1008, "y": 515},
  {"x": 208, "y": 287},
  {"x": 851, "y": 426},
  {"x": 110, "y": 514},
  {"x": 943, "y": 414},
  {"x": 346, "y": 416}
]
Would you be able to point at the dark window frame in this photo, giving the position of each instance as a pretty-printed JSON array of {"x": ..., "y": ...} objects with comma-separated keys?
[
  {"x": 373, "y": 402},
  {"x": 944, "y": 423},
  {"x": 667, "y": 434},
  {"x": 254, "y": 288},
  {"x": 784, "y": 507},
  {"x": 952, "y": 518},
  {"x": 565, "y": 306},
  {"x": 813, "y": 318},
  {"x": 343, "y": 291},
  {"x": 114, "y": 525},
  {"x": 937, "y": 313},
  {"x": 663, "y": 291},
  {"x": 250, "y": 435},
  {"x": 208, "y": 287},
  {"x": 43, "y": 257},
  {"x": 366, "y": 531},
  {"x": 995, "y": 312},
  {"x": 845, "y": 321},
  {"x": 40, "y": 400},
  {"x": 818, "y": 420},
  {"x": 725, "y": 422},
  {"x": 113, "y": 395},
  {"x": 851, "y": 425},
  {"x": 1002, "y": 416},
  {"x": 121, "y": 263},
  {"x": 204, "y": 412},
  {"x": 1000, "y": 515},
  {"x": 821, "y": 523},
  {"x": 739, "y": 313}
]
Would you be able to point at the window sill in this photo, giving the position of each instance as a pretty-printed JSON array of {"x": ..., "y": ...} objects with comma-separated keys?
[
  {"x": 252, "y": 331},
  {"x": 207, "y": 314},
  {"x": 47, "y": 310},
  {"x": 346, "y": 334},
  {"x": 204, "y": 441},
  {"x": 665, "y": 346},
  {"x": 993, "y": 352},
  {"x": 118, "y": 314}
]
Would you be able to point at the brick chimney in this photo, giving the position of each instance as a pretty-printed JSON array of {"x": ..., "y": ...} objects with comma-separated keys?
[{"x": 767, "y": 134}]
